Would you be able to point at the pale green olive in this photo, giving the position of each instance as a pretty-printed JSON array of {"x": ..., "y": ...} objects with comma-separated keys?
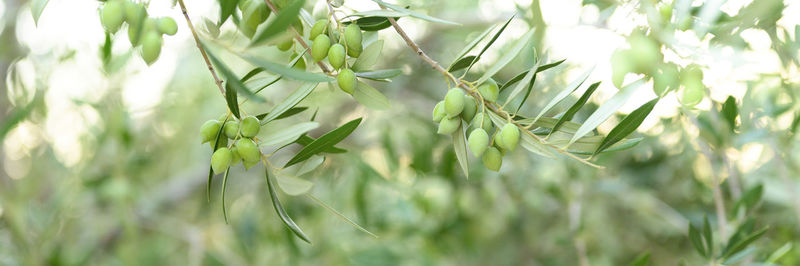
[{"x": 478, "y": 142}]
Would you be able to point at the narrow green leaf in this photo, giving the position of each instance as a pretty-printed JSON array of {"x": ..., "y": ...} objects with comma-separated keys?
[
  {"x": 743, "y": 229},
  {"x": 231, "y": 78},
  {"x": 642, "y": 260},
  {"x": 285, "y": 71},
  {"x": 606, "y": 110},
  {"x": 414, "y": 13},
  {"x": 488, "y": 44},
  {"x": 259, "y": 84},
  {"x": 525, "y": 81},
  {"x": 372, "y": 23},
  {"x": 380, "y": 74},
  {"x": 276, "y": 203},
  {"x": 469, "y": 47},
  {"x": 354, "y": 224},
  {"x": 369, "y": 57},
  {"x": 378, "y": 13},
  {"x": 779, "y": 253},
  {"x": 740, "y": 245},
  {"x": 462, "y": 63},
  {"x": 211, "y": 170},
  {"x": 627, "y": 125},
  {"x": 225, "y": 185},
  {"x": 370, "y": 97},
  {"x": 226, "y": 8},
  {"x": 290, "y": 101},
  {"x": 232, "y": 99},
  {"x": 328, "y": 140},
  {"x": 287, "y": 135},
  {"x": 708, "y": 236},
  {"x": 37, "y": 6},
  {"x": 280, "y": 23},
  {"x": 730, "y": 111},
  {"x": 304, "y": 140},
  {"x": 697, "y": 241},
  {"x": 460, "y": 147},
  {"x": 292, "y": 185},
  {"x": 252, "y": 73},
  {"x": 575, "y": 107},
  {"x": 292, "y": 111},
  {"x": 508, "y": 56},
  {"x": 519, "y": 76},
  {"x": 565, "y": 92}
]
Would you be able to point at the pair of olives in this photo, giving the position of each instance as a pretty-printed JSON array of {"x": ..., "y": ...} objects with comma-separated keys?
[
  {"x": 245, "y": 150},
  {"x": 141, "y": 28}
]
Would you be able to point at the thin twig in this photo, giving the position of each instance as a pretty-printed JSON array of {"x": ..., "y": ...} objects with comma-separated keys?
[
  {"x": 298, "y": 37},
  {"x": 200, "y": 46}
]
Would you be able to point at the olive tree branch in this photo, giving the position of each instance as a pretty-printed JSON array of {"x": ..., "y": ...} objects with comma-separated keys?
[
  {"x": 200, "y": 47},
  {"x": 464, "y": 85},
  {"x": 298, "y": 37}
]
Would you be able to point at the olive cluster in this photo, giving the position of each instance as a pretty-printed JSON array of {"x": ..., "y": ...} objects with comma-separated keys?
[
  {"x": 458, "y": 106},
  {"x": 244, "y": 150},
  {"x": 142, "y": 30},
  {"x": 347, "y": 43}
]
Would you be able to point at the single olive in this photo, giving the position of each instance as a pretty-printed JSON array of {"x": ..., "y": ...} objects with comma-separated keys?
[
  {"x": 286, "y": 44},
  {"x": 482, "y": 120},
  {"x": 250, "y": 126},
  {"x": 221, "y": 160},
  {"x": 151, "y": 47},
  {"x": 319, "y": 49},
  {"x": 347, "y": 80},
  {"x": 336, "y": 56},
  {"x": 489, "y": 90},
  {"x": 167, "y": 25},
  {"x": 301, "y": 63},
  {"x": 231, "y": 129},
  {"x": 454, "y": 102},
  {"x": 209, "y": 129},
  {"x": 112, "y": 15},
  {"x": 135, "y": 13},
  {"x": 235, "y": 157},
  {"x": 470, "y": 107},
  {"x": 248, "y": 150},
  {"x": 438, "y": 111},
  {"x": 492, "y": 159},
  {"x": 320, "y": 27},
  {"x": 510, "y": 136},
  {"x": 353, "y": 37},
  {"x": 478, "y": 142},
  {"x": 448, "y": 125}
]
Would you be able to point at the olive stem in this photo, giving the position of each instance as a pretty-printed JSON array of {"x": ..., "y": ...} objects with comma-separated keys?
[
  {"x": 200, "y": 47},
  {"x": 297, "y": 36},
  {"x": 495, "y": 109}
]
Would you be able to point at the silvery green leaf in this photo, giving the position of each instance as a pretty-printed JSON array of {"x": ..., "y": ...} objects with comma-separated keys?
[
  {"x": 290, "y": 101},
  {"x": 292, "y": 185},
  {"x": 369, "y": 57},
  {"x": 607, "y": 109},
  {"x": 285, "y": 135},
  {"x": 565, "y": 92},
  {"x": 460, "y": 147},
  {"x": 507, "y": 57},
  {"x": 370, "y": 97}
]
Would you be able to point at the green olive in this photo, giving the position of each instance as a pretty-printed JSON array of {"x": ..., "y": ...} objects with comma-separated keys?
[
  {"x": 235, "y": 157},
  {"x": 448, "y": 125},
  {"x": 248, "y": 165},
  {"x": 209, "y": 129},
  {"x": 286, "y": 44},
  {"x": 482, "y": 120},
  {"x": 489, "y": 90},
  {"x": 135, "y": 13},
  {"x": 319, "y": 27},
  {"x": 221, "y": 160},
  {"x": 352, "y": 37},
  {"x": 492, "y": 159},
  {"x": 231, "y": 129},
  {"x": 112, "y": 15},
  {"x": 301, "y": 63},
  {"x": 347, "y": 80},
  {"x": 248, "y": 150},
  {"x": 336, "y": 56},
  {"x": 470, "y": 107},
  {"x": 620, "y": 66},
  {"x": 167, "y": 25},
  {"x": 221, "y": 142},
  {"x": 354, "y": 52},
  {"x": 253, "y": 16},
  {"x": 319, "y": 49},
  {"x": 250, "y": 126},
  {"x": 454, "y": 102},
  {"x": 438, "y": 111},
  {"x": 478, "y": 142},
  {"x": 498, "y": 139},
  {"x": 151, "y": 46},
  {"x": 510, "y": 137}
]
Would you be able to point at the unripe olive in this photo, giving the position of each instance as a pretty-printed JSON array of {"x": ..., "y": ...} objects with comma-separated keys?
[
  {"x": 231, "y": 129},
  {"x": 454, "y": 102},
  {"x": 167, "y": 25},
  {"x": 620, "y": 66},
  {"x": 336, "y": 56},
  {"x": 221, "y": 142},
  {"x": 248, "y": 165},
  {"x": 510, "y": 137},
  {"x": 438, "y": 112},
  {"x": 235, "y": 157},
  {"x": 301, "y": 63},
  {"x": 346, "y": 80},
  {"x": 254, "y": 15},
  {"x": 448, "y": 125},
  {"x": 248, "y": 150},
  {"x": 209, "y": 129},
  {"x": 352, "y": 37},
  {"x": 133, "y": 34},
  {"x": 481, "y": 120},
  {"x": 498, "y": 139},
  {"x": 135, "y": 13},
  {"x": 221, "y": 160},
  {"x": 478, "y": 142},
  {"x": 489, "y": 90},
  {"x": 492, "y": 159},
  {"x": 112, "y": 15},
  {"x": 470, "y": 107},
  {"x": 354, "y": 52},
  {"x": 151, "y": 46},
  {"x": 319, "y": 49},
  {"x": 250, "y": 126},
  {"x": 320, "y": 27},
  {"x": 286, "y": 45}
]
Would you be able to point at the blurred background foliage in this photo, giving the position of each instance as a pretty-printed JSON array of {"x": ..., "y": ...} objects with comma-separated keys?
[{"x": 102, "y": 164}]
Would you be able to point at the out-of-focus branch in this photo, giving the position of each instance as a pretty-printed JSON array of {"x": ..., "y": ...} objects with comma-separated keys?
[{"x": 200, "y": 46}]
